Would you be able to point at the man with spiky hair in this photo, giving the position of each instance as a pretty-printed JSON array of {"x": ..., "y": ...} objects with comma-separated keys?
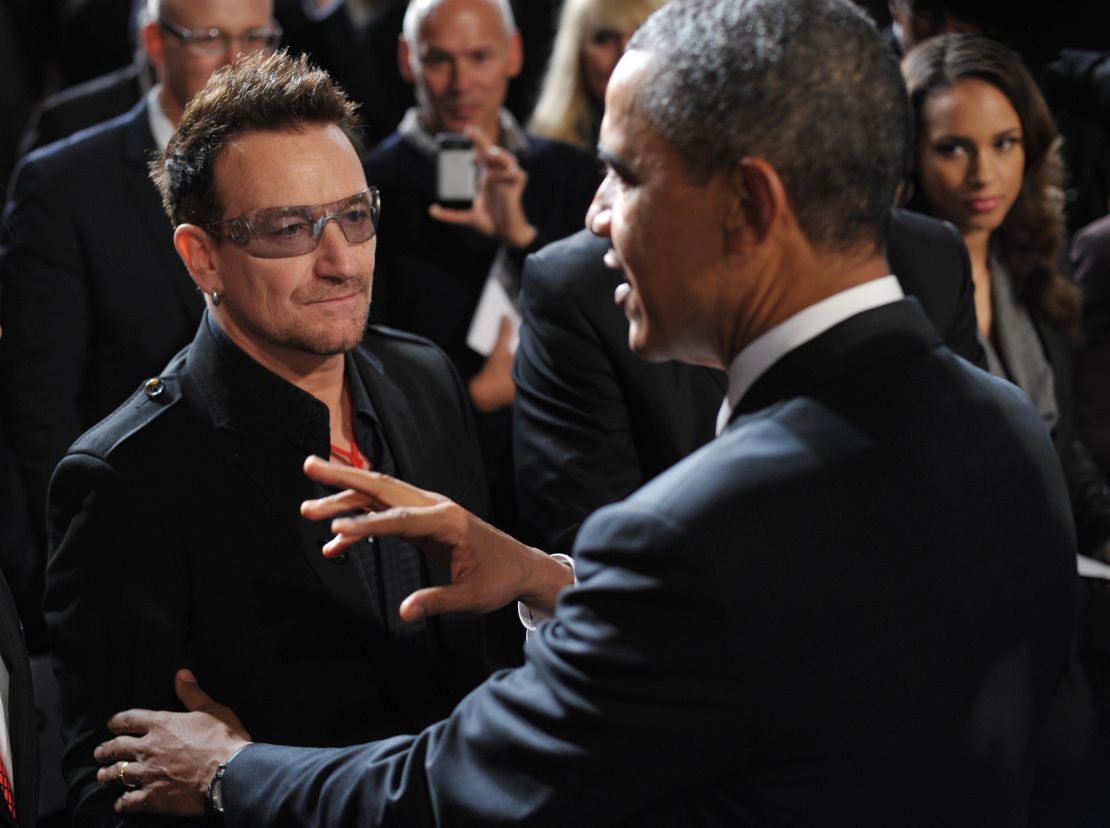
[
  {"x": 277, "y": 228},
  {"x": 832, "y": 614}
]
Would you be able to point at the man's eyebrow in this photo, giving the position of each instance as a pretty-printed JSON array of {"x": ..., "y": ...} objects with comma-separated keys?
[{"x": 614, "y": 162}]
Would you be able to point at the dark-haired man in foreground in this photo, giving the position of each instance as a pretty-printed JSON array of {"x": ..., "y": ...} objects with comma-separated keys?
[{"x": 830, "y": 615}]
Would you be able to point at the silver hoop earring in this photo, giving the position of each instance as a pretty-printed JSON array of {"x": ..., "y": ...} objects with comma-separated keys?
[{"x": 215, "y": 297}]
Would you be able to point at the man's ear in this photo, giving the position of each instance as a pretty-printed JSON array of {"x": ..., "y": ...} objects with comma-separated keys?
[
  {"x": 197, "y": 250},
  {"x": 403, "y": 60},
  {"x": 153, "y": 40},
  {"x": 758, "y": 199},
  {"x": 516, "y": 54}
]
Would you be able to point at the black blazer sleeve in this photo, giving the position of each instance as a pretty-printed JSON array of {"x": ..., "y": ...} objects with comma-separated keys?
[
  {"x": 931, "y": 263},
  {"x": 559, "y": 719},
  {"x": 41, "y": 373},
  {"x": 572, "y": 439},
  {"x": 117, "y": 613},
  {"x": 1090, "y": 255}
]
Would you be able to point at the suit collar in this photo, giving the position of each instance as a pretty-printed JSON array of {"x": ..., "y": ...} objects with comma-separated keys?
[
  {"x": 394, "y": 416},
  {"x": 868, "y": 338},
  {"x": 138, "y": 141},
  {"x": 771, "y": 346},
  {"x": 241, "y": 394},
  {"x": 238, "y": 392}
]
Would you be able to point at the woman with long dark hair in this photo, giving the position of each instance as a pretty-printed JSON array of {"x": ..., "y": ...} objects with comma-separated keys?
[{"x": 987, "y": 160}]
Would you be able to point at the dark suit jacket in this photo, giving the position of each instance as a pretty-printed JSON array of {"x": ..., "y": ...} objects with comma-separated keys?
[
  {"x": 82, "y": 106},
  {"x": 429, "y": 275},
  {"x": 1090, "y": 496},
  {"x": 1090, "y": 256},
  {"x": 20, "y": 712},
  {"x": 18, "y": 562},
  {"x": 177, "y": 541},
  {"x": 803, "y": 623},
  {"x": 592, "y": 421},
  {"x": 94, "y": 296}
]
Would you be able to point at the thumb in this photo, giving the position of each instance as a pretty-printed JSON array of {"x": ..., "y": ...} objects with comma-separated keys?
[
  {"x": 189, "y": 692},
  {"x": 451, "y": 216}
]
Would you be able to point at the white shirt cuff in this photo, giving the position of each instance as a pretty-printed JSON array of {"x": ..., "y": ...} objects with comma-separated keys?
[{"x": 531, "y": 617}]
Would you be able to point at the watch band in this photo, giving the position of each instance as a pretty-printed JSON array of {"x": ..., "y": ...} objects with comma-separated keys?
[{"x": 214, "y": 800}]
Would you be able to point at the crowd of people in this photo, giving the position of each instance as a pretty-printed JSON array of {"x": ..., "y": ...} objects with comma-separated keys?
[{"x": 802, "y": 433}]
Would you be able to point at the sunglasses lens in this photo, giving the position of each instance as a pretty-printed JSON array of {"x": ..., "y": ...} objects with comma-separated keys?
[
  {"x": 283, "y": 232},
  {"x": 278, "y": 234}
]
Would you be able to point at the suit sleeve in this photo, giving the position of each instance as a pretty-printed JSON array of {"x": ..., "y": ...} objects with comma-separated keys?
[
  {"x": 962, "y": 334},
  {"x": 572, "y": 738},
  {"x": 572, "y": 441},
  {"x": 1091, "y": 260},
  {"x": 45, "y": 321},
  {"x": 116, "y": 609}
]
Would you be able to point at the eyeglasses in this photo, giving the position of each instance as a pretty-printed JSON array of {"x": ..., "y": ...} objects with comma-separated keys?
[
  {"x": 280, "y": 232},
  {"x": 214, "y": 42}
]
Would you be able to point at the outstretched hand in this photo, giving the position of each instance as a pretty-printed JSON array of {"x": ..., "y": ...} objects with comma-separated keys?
[
  {"x": 164, "y": 761},
  {"x": 488, "y": 568},
  {"x": 498, "y": 208}
]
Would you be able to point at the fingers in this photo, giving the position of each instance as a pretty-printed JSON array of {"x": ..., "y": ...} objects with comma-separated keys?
[
  {"x": 437, "y": 521},
  {"x": 387, "y": 490},
  {"x": 133, "y": 722},
  {"x": 504, "y": 334},
  {"x": 438, "y": 600},
  {"x": 158, "y": 798},
  {"x": 339, "y": 544},
  {"x": 127, "y": 775},
  {"x": 337, "y": 504},
  {"x": 117, "y": 750},
  {"x": 132, "y": 802},
  {"x": 482, "y": 142}
]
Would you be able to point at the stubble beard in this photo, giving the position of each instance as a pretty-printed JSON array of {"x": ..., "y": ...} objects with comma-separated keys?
[{"x": 340, "y": 338}]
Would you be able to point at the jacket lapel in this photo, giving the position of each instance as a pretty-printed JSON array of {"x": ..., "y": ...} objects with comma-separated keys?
[
  {"x": 870, "y": 337},
  {"x": 459, "y": 635}
]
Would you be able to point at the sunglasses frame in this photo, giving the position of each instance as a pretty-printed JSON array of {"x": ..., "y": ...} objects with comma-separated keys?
[{"x": 242, "y": 230}]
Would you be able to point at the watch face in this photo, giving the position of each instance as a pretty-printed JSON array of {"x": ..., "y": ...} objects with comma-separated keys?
[
  {"x": 216, "y": 791},
  {"x": 218, "y": 794}
]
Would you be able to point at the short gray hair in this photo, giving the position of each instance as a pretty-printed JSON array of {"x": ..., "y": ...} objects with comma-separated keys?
[
  {"x": 420, "y": 9},
  {"x": 808, "y": 85}
]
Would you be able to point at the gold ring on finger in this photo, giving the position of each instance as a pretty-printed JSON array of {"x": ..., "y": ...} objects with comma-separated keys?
[{"x": 123, "y": 779}]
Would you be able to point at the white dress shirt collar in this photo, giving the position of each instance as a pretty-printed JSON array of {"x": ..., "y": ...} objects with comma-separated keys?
[{"x": 771, "y": 346}]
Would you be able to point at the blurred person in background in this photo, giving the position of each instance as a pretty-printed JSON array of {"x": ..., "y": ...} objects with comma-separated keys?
[
  {"x": 987, "y": 160},
  {"x": 591, "y": 39}
]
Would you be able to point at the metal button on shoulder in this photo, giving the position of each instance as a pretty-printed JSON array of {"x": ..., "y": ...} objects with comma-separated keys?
[{"x": 154, "y": 387}]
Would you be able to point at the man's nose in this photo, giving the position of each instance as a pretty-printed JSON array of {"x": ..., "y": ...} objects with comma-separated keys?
[
  {"x": 599, "y": 214},
  {"x": 235, "y": 48},
  {"x": 333, "y": 249},
  {"x": 461, "y": 76}
]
